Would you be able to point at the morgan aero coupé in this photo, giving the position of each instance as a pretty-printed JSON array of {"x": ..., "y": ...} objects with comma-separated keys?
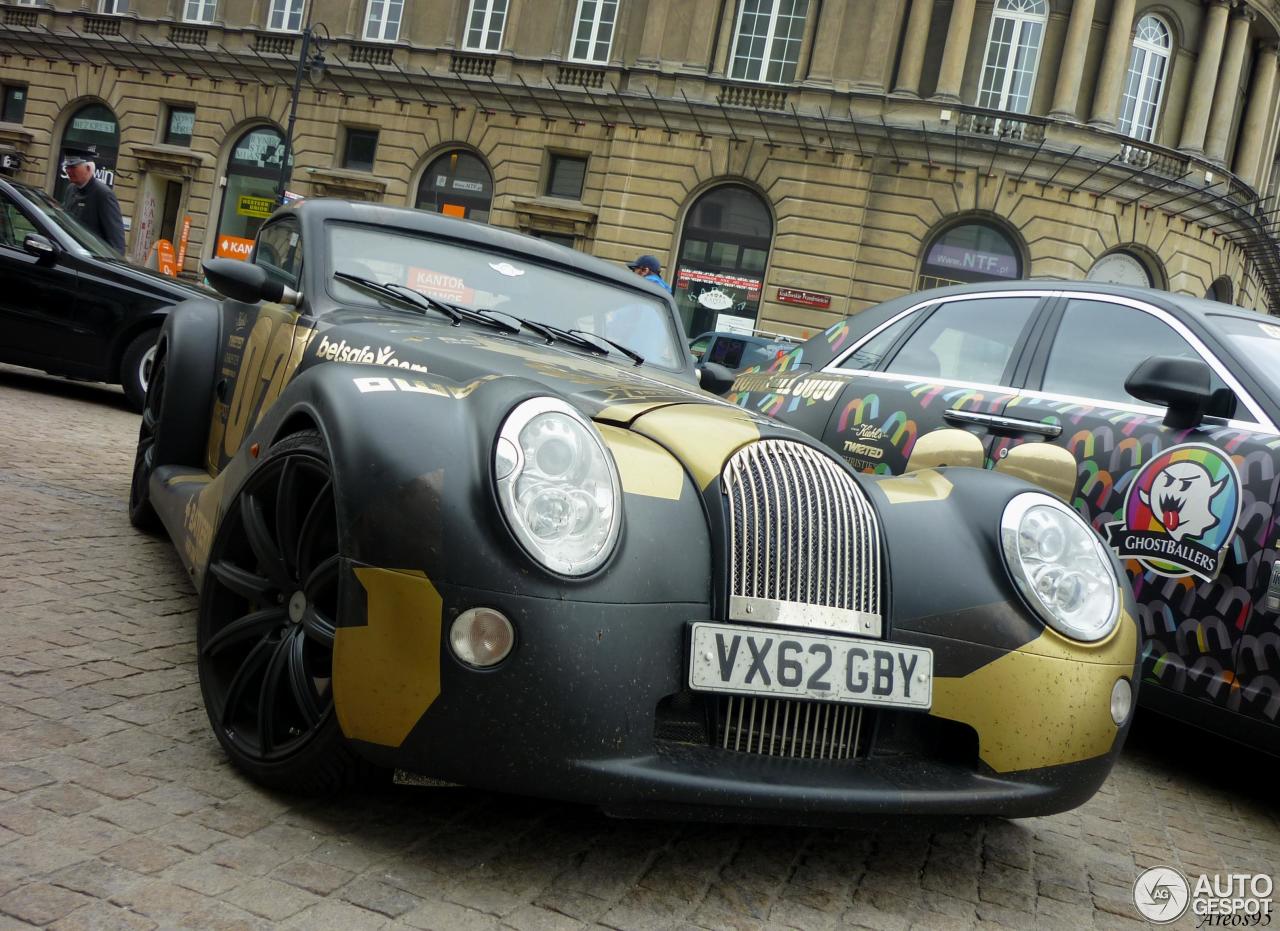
[{"x": 457, "y": 508}]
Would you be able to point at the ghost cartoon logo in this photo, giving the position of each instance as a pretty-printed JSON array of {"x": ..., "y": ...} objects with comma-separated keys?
[{"x": 1180, "y": 513}]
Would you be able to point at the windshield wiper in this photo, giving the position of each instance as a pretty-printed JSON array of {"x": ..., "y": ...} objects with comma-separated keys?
[
  {"x": 408, "y": 297},
  {"x": 629, "y": 353}
]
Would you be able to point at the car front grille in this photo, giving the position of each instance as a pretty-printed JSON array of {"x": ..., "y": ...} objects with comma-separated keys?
[
  {"x": 802, "y": 533},
  {"x": 786, "y": 728}
]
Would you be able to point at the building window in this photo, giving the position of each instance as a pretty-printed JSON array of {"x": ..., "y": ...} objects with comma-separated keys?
[
  {"x": 111, "y": 7},
  {"x": 766, "y": 46},
  {"x": 593, "y": 34},
  {"x": 457, "y": 184},
  {"x": 382, "y": 21},
  {"x": 92, "y": 126},
  {"x": 180, "y": 126},
  {"x": 1144, "y": 84},
  {"x": 484, "y": 25},
  {"x": 360, "y": 150},
  {"x": 285, "y": 15},
  {"x": 969, "y": 252},
  {"x": 724, "y": 248},
  {"x": 566, "y": 176},
  {"x": 1013, "y": 51},
  {"x": 199, "y": 11},
  {"x": 13, "y": 107},
  {"x": 253, "y": 170},
  {"x": 1121, "y": 267}
]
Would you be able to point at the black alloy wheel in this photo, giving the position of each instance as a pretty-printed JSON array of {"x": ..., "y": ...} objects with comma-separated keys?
[
  {"x": 141, "y": 514},
  {"x": 266, "y": 628}
]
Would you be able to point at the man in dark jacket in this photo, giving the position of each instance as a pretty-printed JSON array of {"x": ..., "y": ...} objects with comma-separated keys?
[{"x": 92, "y": 202}]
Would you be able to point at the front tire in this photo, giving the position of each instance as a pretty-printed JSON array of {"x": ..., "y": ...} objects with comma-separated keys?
[
  {"x": 137, "y": 366},
  {"x": 141, "y": 514},
  {"x": 267, "y": 623}
]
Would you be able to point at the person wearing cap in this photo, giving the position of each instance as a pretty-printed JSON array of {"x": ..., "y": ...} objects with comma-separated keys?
[
  {"x": 648, "y": 267},
  {"x": 90, "y": 201}
]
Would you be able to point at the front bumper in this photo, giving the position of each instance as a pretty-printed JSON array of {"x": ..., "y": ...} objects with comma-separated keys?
[{"x": 574, "y": 714}]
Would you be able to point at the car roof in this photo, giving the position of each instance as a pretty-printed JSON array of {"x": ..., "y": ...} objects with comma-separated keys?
[{"x": 318, "y": 210}]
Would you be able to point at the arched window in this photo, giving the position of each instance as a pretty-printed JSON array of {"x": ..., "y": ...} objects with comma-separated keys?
[
  {"x": 724, "y": 248},
  {"x": 766, "y": 44},
  {"x": 969, "y": 252},
  {"x": 1013, "y": 52},
  {"x": 253, "y": 171},
  {"x": 1121, "y": 267},
  {"x": 1144, "y": 85},
  {"x": 457, "y": 184},
  {"x": 92, "y": 125},
  {"x": 1221, "y": 290}
]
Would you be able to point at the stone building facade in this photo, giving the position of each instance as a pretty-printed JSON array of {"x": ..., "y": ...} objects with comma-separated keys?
[{"x": 788, "y": 161}]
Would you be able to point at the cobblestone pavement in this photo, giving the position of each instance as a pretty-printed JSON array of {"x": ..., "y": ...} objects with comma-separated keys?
[{"x": 117, "y": 809}]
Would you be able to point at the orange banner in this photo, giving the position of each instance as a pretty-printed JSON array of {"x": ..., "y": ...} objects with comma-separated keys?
[
  {"x": 183, "y": 239},
  {"x": 166, "y": 259},
  {"x": 233, "y": 247}
]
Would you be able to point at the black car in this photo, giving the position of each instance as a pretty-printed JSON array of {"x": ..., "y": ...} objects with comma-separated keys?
[
  {"x": 69, "y": 304},
  {"x": 1168, "y": 404},
  {"x": 456, "y": 506}
]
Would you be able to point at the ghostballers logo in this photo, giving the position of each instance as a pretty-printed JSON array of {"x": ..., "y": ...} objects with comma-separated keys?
[{"x": 1180, "y": 512}]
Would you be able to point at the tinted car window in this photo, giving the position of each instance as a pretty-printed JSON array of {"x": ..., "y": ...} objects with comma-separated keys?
[
  {"x": 870, "y": 353},
  {"x": 14, "y": 227},
  {"x": 727, "y": 351},
  {"x": 966, "y": 340},
  {"x": 699, "y": 346},
  {"x": 279, "y": 251},
  {"x": 1259, "y": 340},
  {"x": 1081, "y": 367},
  {"x": 53, "y": 213}
]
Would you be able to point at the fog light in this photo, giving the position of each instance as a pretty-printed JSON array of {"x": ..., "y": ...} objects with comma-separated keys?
[
  {"x": 483, "y": 637},
  {"x": 1121, "y": 701}
]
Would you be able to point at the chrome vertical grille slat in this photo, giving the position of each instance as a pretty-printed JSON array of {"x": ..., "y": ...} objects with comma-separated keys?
[
  {"x": 802, "y": 532},
  {"x": 787, "y": 728}
]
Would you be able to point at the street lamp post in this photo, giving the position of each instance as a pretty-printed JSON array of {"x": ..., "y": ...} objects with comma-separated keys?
[{"x": 311, "y": 62}]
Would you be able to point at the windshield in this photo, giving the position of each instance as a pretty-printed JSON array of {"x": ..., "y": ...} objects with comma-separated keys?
[
  {"x": 81, "y": 236},
  {"x": 1258, "y": 341},
  {"x": 474, "y": 277}
]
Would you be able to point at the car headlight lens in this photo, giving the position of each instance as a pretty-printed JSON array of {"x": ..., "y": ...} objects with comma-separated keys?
[
  {"x": 1060, "y": 566},
  {"x": 558, "y": 486}
]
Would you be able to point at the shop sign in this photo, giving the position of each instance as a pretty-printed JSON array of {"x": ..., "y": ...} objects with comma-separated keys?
[
  {"x": 803, "y": 298},
  {"x": 441, "y": 285},
  {"x": 234, "y": 247},
  {"x": 250, "y": 206},
  {"x": 93, "y": 126},
  {"x": 687, "y": 276},
  {"x": 183, "y": 238},
  {"x": 996, "y": 264},
  {"x": 10, "y": 162}
]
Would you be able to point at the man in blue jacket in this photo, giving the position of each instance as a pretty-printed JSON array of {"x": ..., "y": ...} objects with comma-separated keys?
[{"x": 648, "y": 267}]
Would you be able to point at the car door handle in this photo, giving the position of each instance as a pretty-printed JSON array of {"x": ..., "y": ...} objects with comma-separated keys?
[{"x": 997, "y": 422}]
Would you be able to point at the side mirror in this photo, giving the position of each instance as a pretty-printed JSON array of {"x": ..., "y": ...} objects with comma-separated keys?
[
  {"x": 41, "y": 247},
  {"x": 1174, "y": 382},
  {"x": 714, "y": 377},
  {"x": 248, "y": 283}
]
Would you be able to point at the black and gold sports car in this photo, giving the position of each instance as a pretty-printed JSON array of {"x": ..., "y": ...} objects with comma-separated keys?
[{"x": 456, "y": 507}]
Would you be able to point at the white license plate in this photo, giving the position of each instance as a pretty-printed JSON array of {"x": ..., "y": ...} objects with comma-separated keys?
[{"x": 750, "y": 661}]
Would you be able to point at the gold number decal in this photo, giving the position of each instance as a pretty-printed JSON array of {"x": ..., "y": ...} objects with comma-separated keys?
[{"x": 263, "y": 371}]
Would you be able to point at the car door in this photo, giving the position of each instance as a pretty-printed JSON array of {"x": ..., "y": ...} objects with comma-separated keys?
[
  {"x": 1186, "y": 510},
  {"x": 946, "y": 363},
  {"x": 262, "y": 345},
  {"x": 37, "y": 296}
]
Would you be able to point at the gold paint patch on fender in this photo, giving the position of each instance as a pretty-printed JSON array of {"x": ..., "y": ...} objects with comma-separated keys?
[
  {"x": 645, "y": 467},
  {"x": 702, "y": 436},
  {"x": 925, "y": 485},
  {"x": 1046, "y": 703},
  {"x": 386, "y": 674}
]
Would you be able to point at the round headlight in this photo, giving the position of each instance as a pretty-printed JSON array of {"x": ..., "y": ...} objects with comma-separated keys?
[
  {"x": 1060, "y": 566},
  {"x": 558, "y": 486}
]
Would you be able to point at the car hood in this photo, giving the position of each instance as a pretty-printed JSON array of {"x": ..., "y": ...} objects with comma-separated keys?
[
  {"x": 609, "y": 389},
  {"x": 144, "y": 279}
]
